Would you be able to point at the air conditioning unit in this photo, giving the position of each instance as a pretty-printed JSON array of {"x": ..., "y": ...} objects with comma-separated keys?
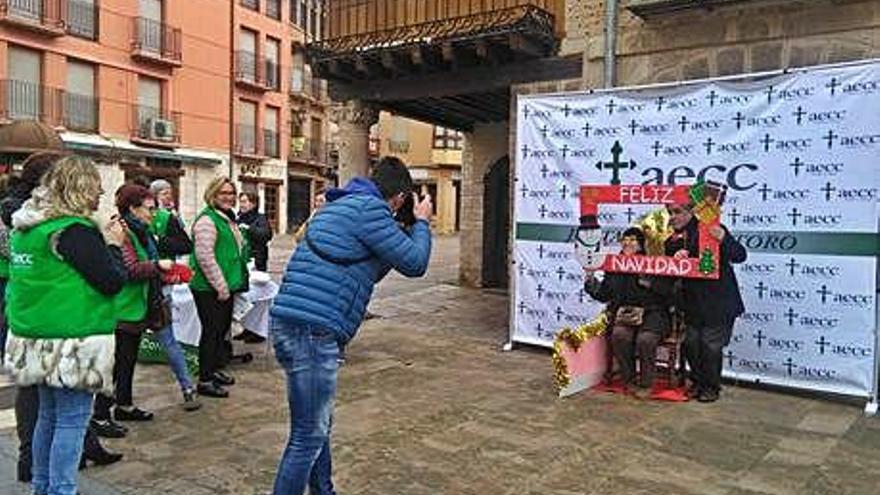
[{"x": 160, "y": 130}]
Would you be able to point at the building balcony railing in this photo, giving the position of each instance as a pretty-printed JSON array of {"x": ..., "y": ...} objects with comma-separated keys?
[
  {"x": 367, "y": 25},
  {"x": 43, "y": 16},
  {"x": 155, "y": 125},
  {"x": 304, "y": 86},
  {"x": 83, "y": 19},
  {"x": 250, "y": 4},
  {"x": 24, "y": 100},
  {"x": 307, "y": 150},
  {"x": 80, "y": 112},
  {"x": 156, "y": 42},
  {"x": 271, "y": 144},
  {"x": 254, "y": 74}
]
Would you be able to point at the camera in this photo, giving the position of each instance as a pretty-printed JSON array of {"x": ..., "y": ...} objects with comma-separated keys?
[{"x": 406, "y": 214}]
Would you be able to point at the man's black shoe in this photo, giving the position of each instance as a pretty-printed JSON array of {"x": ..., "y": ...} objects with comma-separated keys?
[
  {"x": 108, "y": 428},
  {"x": 212, "y": 389},
  {"x": 133, "y": 414},
  {"x": 221, "y": 378}
]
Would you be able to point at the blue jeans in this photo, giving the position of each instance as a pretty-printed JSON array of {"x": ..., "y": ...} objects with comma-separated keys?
[
  {"x": 165, "y": 337},
  {"x": 58, "y": 439},
  {"x": 309, "y": 358}
]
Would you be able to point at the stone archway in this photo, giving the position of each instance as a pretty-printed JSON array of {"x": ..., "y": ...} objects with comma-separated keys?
[{"x": 496, "y": 224}]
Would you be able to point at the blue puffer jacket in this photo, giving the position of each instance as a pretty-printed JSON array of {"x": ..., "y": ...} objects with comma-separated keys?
[{"x": 356, "y": 224}]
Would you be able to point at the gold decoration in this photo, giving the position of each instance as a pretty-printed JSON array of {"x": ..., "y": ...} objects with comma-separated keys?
[
  {"x": 574, "y": 339},
  {"x": 707, "y": 211},
  {"x": 656, "y": 228}
]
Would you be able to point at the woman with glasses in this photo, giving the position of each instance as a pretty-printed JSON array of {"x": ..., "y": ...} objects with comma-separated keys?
[
  {"x": 140, "y": 304},
  {"x": 220, "y": 271}
]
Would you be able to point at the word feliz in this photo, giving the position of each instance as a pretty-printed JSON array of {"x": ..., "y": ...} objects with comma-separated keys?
[{"x": 614, "y": 106}]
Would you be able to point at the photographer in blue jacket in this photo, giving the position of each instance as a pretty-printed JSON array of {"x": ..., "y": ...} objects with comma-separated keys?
[{"x": 349, "y": 245}]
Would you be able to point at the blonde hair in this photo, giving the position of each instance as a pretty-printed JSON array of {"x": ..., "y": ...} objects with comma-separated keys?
[
  {"x": 72, "y": 187},
  {"x": 214, "y": 187}
]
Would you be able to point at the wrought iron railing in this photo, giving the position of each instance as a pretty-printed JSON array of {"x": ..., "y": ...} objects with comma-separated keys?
[
  {"x": 249, "y": 70},
  {"x": 250, "y": 4},
  {"x": 156, "y": 39},
  {"x": 158, "y": 125},
  {"x": 48, "y": 13},
  {"x": 80, "y": 112},
  {"x": 25, "y": 100},
  {"x": 359, "y": 25},
  {"x": 83, "y": 19}
]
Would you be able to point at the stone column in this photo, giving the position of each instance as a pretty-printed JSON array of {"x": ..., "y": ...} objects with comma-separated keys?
[{"x": 354, "y": 118}]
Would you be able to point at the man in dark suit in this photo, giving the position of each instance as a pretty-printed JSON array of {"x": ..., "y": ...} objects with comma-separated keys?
[{"x": 710, "y": 306}]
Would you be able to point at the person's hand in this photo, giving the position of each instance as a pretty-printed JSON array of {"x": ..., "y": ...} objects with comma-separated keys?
[
  {"x": 165, "y": 265},
  {"x": 223, "y": 296},
  {"x": 717, "y": 232},
  {"x": 423, "y": 208},
  {"x": 681, "y": 254},
  {"x": 114, "y": 232}
]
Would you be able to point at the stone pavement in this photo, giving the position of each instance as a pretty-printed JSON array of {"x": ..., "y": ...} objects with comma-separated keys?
[{"x": 428, "y": 404}]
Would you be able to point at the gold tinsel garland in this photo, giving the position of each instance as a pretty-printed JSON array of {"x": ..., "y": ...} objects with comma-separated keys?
[{"x": 574, "y": 339}]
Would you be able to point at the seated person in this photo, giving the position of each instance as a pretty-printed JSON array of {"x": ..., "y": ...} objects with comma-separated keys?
[{"x": 639, "y": 313}]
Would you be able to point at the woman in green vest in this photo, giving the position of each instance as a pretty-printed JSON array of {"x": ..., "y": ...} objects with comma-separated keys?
[
  {"x": 140, "y": 305},
  {"x": 61, "y": 307},
  {"x": 220, "y": 270}
]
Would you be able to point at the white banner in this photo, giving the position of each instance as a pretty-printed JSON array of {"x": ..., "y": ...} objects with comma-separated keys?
[{"x": 799, "y": 153}]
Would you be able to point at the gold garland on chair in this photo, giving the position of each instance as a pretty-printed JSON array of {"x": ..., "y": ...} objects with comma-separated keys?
[{"x": 574, "y": 339}]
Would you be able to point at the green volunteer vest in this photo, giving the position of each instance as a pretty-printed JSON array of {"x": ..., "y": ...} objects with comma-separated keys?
[
  {"x": 159, "y": 226},
  {"x": 232, "y": 260},
  {"x": 46, "y": 297},
  {"x": 131, "y": 302}
]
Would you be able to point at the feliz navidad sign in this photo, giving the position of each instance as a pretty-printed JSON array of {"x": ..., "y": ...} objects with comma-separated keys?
[{"x": 706, "y": 201}]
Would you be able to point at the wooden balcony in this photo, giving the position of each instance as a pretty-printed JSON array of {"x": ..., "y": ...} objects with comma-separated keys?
[
  {"x": 450, "y": 62},
  {"x": 385, "y": 38}
]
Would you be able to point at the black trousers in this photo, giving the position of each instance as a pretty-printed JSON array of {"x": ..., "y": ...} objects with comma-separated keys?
[
  {"x": 216, "y": 319},
  {"x": 27, "y": 409},
  {"x": 703, "y": 345},
  {"x": 127, "y": 344}
]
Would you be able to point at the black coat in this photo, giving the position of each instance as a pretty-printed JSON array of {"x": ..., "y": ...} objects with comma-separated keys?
[
  {"x": 710, "y": 302},
  {"x": 654, "y": 294},
  {"x": 259, "y": 234}
]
